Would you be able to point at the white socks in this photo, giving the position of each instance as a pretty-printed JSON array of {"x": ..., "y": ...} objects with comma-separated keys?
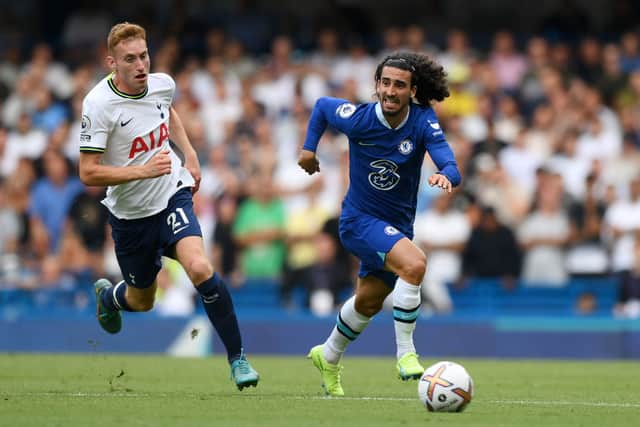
[
  {"x": 349, "y": 324},
  {"x": 406, "y": 307}
]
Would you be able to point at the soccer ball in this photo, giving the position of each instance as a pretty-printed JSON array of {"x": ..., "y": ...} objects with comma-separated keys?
[{"x": 445, "y": 387}]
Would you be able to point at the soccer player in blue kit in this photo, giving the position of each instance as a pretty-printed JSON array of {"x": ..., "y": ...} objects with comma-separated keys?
[
  {"x": 388, "y": 140},
  {"x": 127, "y": 119}
]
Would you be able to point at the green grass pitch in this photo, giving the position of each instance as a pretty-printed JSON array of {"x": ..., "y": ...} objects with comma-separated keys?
[{"x": 126, "y": 390}]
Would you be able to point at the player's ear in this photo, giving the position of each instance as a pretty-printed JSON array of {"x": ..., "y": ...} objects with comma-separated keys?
[
  {"x": 414, "y": 90},
  {"x": 111, "y": 62}
]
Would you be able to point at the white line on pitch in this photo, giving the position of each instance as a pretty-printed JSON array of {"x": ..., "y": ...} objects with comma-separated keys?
[
  {"x": 498, "y": 402},
  {"x": 362, "y": 398},
  {"x": 565, "y": 403}
]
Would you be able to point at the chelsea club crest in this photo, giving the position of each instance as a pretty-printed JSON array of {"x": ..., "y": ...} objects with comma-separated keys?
[{"x": 405, "y": 147}]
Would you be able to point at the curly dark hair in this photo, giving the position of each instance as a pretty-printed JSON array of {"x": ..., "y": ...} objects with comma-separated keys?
[{"x": 427, "y": 75}]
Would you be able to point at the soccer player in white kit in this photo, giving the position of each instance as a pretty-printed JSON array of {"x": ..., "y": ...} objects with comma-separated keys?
[{"x": 127, "y": 120}]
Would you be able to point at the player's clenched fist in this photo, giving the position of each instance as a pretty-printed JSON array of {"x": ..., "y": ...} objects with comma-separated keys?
[
  {"x": 160, "y": 164},
  {"x": 309, "y": 162}
]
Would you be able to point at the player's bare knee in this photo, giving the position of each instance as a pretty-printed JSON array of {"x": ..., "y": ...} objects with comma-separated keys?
[
  {"x": 199, "y": 270},
  {"x": 413, "y": 271}
]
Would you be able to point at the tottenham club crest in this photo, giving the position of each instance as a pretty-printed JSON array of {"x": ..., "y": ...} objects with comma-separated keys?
[
  {"x": 390, "y": 230},
  {"x": 346, "y": 110},
  {"x": 405, "y": 147}
]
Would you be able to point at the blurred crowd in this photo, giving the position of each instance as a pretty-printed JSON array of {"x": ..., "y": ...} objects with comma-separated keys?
[{"x": 546, "y": 134}]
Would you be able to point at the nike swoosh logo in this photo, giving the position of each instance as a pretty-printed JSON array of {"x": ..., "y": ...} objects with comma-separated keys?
[
  {"x": 366, "y": 144},
  {"x": 123, "y": 124},
  {"x": 211, "y": 299},
  {"x": 179, "y": 229}
]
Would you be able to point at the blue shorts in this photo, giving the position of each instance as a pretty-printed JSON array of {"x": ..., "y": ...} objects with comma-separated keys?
[
  {"x": 140, "y": 243},
  {"x": 370, "y": 239}
]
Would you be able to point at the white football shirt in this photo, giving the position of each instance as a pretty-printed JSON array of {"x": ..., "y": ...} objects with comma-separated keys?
[{"x": 128, "y": 130}]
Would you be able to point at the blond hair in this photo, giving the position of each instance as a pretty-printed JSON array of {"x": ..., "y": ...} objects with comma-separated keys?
[{"x": 123, "y": 31}]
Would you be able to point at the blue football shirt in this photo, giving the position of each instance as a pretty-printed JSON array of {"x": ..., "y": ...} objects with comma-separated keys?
[{"x": 384, "y": 163}]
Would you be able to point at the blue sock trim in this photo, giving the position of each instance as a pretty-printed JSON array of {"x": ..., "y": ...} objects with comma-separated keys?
[
  {"x": 345, "y": 330},
  {"x": 405, "y": 315}
]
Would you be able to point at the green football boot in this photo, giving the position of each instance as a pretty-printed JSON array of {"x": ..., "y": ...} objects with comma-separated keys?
[
  {"x": 330, "y": 372},
  {"x": 243, "y": 374},
  {"x": 409, "y": 367},
  {"x": 110, "y": 320}
]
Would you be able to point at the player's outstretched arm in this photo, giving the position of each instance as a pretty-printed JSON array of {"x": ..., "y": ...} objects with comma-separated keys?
[
  {"x": 94, "y": 173},
  {"x": 327, "y": 111},
  {"x": 179, "y": 136}
]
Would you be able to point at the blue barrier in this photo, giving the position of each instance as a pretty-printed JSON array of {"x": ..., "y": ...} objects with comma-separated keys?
[
  {"x": 294, "y": 334},
  {"x": 490, "y": 298},
  {"x": 488, "y": 321}
]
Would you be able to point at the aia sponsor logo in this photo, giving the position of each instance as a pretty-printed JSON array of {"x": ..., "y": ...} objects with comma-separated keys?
[{"x": 150, "y": 142}]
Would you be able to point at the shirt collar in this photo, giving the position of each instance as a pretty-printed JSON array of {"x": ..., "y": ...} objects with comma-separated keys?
[{"x": 383, "y": 119}]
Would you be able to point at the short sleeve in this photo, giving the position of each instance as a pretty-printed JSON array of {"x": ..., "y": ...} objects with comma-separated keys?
[
  {"x": 94, "y": 129},
  {"x": 339, "y": 114}
]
